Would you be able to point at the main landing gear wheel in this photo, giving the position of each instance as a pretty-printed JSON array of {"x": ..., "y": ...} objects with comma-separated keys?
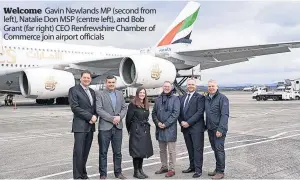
[{"x": 9, "y": 99}]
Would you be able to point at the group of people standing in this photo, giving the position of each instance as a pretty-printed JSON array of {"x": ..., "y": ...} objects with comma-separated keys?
[{"x": 109, "y": 108}]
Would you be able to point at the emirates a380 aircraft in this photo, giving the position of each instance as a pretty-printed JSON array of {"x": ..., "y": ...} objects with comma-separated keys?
[{"x": 45, "y": 71}]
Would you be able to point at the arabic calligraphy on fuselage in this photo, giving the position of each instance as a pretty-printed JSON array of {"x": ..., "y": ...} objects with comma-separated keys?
[{"x": 44, "y": 55}]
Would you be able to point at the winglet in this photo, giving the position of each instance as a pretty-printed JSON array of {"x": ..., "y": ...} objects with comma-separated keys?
[{"x": 181, "y": 29}]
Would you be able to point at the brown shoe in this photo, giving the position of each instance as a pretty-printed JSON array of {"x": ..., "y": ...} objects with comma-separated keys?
[
  {"x": 170, "y": 173},
  {"x": 162, "y": 170},
  {"x": 121, "y": 176},
  {"x": 102, "y": 177},
  {"x": 218, "y": 176},
  {"x": 212, "y": 173}
]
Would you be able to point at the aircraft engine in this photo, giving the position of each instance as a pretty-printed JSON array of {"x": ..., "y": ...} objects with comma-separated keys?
[
  {"x": 43, "y": 83},
  {"x": 146, "y": 71}
]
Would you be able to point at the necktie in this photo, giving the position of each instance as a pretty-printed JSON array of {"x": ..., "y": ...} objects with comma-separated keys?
[
  {"x": 89, "y": 95},
  {"x": 186, "y": 103}
]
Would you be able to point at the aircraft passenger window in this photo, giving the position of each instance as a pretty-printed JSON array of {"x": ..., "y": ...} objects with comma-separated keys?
[
  {"x": 24, "y": 65},
  {"x": 28, "y": 65},
  {"x": 6, "y": 65},
  {"x": 20, "y": 65},
  {"x": 2, "y": 64},
  {"x": 16, "y": 65}
]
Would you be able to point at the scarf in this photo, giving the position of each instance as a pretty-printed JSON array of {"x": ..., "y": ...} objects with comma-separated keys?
[{"x": 165, "y": 99}]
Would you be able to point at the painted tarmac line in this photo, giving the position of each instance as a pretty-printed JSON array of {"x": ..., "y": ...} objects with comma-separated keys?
[
  {"x": 51, "y": 175},
  {"x": 184, "y": 157}
]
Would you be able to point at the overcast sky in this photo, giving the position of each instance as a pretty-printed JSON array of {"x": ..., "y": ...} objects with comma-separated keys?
[{"x": 219, "y": 24}]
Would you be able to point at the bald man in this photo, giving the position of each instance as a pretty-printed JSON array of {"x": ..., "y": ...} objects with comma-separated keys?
[{"x": 217, "y": 113}]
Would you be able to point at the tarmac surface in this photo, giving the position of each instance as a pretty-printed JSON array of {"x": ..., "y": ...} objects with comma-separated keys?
[{"x": 263, "y": 142}]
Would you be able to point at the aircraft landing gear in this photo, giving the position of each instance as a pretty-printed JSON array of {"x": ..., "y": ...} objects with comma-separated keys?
[
  {"x": 9, "y": 99},
  {"x": 58, "y": 101},
  {"x": 62, "y": 101},
  {"x": 45, "y": 101}
]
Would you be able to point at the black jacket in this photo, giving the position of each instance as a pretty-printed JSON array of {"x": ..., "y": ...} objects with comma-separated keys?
[
  {"x": 138, "y": 127},
  {"x": 194, "y": 114},
  {"x": 82, "y": 109},
  {"x": 217, "y": 112}
]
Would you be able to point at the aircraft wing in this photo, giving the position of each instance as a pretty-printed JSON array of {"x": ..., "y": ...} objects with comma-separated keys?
[
  {"x": 104, "y": 65},
  {"x": 211, "y": 58},
  {"x": 111, "y": 63},
  {"x": 10, "y": 92}
]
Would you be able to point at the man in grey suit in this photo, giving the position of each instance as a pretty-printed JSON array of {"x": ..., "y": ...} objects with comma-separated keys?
[
  {"x": 82, "y": 100},
  {"x": 111, "y": 108}
]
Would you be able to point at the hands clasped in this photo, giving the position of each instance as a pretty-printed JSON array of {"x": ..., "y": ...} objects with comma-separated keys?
[
  {"x": 184, "y": 124},
  {"x": 116, "y": 120},
  {"x": 93, "y": 120},
  {"x": 161, "y": 125}
]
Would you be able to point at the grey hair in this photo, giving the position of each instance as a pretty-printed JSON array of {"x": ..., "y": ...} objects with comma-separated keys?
[
  {"x": 169, "y": 83},
  {"x": 192, "y": 79},
  {"x": 213, "y": 81}
]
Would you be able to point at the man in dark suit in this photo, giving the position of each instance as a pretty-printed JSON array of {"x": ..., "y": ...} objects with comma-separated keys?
[
  {"x": 82, "y": 100},
  {"x": 111, "y": 108},
  {"x": 192, "y": 124}
]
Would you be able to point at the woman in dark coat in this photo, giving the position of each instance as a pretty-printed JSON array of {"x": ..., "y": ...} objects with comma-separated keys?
[{"x": 138, "y": 127}]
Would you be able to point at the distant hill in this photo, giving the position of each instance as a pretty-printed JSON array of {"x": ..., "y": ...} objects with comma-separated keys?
[{"x": 239, "y": 87}]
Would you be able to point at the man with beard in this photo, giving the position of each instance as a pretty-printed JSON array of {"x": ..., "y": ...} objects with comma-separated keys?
[{"x": 111, "y": 108}]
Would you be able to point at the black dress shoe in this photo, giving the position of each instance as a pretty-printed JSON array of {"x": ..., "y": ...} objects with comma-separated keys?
[
  {"x": 196, "y": 175},
  {"x": 120, "y": 176},
  {"x": 189, "y": 170}
]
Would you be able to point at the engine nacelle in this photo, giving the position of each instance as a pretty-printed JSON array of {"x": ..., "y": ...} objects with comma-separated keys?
[
  {"x": 42, "y": 83},
  {"x": 146, "y": 71}
]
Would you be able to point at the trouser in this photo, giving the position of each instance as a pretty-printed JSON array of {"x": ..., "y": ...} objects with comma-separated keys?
[
  {"x": 217, "y": 145},
  {"x": 114, "y": 135},
  {"x": 171, "y": 146},
  {"x": 82, "y": 146},
  {"x": 195, "y": 145}
]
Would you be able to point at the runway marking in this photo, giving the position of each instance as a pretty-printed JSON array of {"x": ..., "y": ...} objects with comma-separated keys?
[
  {"x": 184, "y": 157},
  {"x": 51, "y": 175},
  {"x": 278, "y": 135}
]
